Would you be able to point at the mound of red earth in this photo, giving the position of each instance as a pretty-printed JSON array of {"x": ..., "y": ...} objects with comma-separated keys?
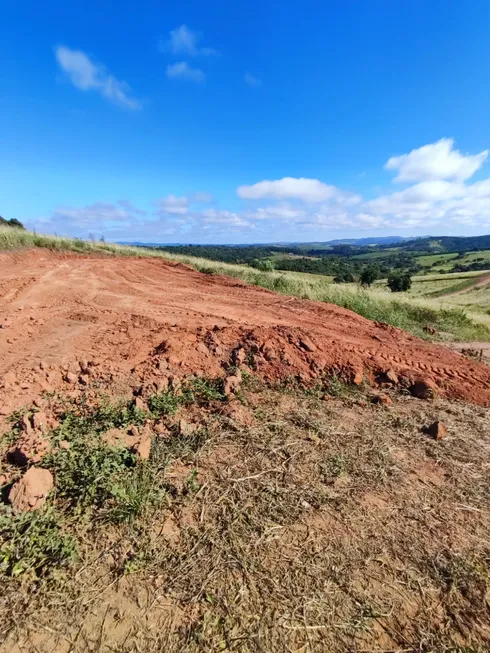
[{"x": 71, "y": 321}]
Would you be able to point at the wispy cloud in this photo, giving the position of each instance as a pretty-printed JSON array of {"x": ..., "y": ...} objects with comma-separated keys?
[
  {"x": 173, "y": 205},
  {"x": 251, "y": 80},
  {"x": 88, "y": 75},
  {"x": 182, "y": 70},
  {"x": 184, "y": 41}
]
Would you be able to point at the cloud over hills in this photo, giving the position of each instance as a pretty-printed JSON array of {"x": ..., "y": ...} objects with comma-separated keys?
[{"x": 440, "y": 195}]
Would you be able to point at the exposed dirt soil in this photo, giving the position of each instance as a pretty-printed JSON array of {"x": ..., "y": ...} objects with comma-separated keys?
[
  {"x": 323, "y": 525},
  {"x": 138, "y": 320}
]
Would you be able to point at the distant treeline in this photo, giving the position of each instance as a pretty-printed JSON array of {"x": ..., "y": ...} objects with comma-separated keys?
[
  {"x": 224, "y": 253},
  {"x": 448, "y": 244},
  {"x": 343, "y": 262}
]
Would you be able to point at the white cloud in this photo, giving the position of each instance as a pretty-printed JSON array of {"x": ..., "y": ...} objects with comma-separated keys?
[
  {"x": 182, "y": 70},
  {"x": 289, "y": 208},
  {"x": 99, "y": 218},
  {"x": 174, "y": 205},
  {"x": 87, "y": 75},
  {"x": 281, "y": 211},
  {"x": 436, "y": 161},
  {"x": 251, "y": 80},
  {"x": 225, "y": 218},
  {"x": 184, "y": 41},
  {"x": 307, "y": 190},
  {"x": 130, "y": 208}
]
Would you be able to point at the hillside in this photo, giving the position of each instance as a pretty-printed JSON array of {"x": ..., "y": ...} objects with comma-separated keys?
[{"x": 193, "y": 462}]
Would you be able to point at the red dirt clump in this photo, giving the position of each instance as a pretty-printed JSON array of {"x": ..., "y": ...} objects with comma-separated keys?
[{"x": 70, "y": 320}]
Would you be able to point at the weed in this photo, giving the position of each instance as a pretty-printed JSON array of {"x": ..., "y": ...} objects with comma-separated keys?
[
  {"x": 133, "y": 493},
  {"x": 198, "y": 390},
  {"x": 191, "y": 483},
  {"x": 163, "y": 403},
  {"x": 201, "y": 390},
  {"x": 334, "y": 386},
  {"x": 84, "y": 420},
  {"x": 335, "y": 465},
  {"x": 33, "y": 542},
  {"x": 88, "y": 472}
]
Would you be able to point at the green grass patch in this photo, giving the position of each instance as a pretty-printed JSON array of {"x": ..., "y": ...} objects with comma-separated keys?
[{"x": 33, "y": 542}]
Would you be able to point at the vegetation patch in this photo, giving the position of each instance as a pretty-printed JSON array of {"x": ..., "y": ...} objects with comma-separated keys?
[{"x": 34, "y": 543}]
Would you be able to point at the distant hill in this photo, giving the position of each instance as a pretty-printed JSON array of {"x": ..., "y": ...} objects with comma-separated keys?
[
  {"x": 446, "y": 244},
  {"x": 359, "y": 242},
  {"x": 363, "y": 242}
]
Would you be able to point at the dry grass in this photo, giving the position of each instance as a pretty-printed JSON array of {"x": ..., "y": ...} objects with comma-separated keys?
[{"x": 323, "y": 526}]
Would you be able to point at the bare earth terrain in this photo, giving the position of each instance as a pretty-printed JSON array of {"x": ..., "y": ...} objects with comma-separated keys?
[
  {"x": 191, "y": 464},
  {"x": 58, "y": 309}
]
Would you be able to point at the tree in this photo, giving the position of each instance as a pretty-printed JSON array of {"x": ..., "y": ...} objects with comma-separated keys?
[
  {"x": 344, "y": 277},
  {"x": 13, "y": 222},
  {"x": 399, "y": 281},
  {"x": 369, "y": 275},
  {"x": 265, "y": 265}
]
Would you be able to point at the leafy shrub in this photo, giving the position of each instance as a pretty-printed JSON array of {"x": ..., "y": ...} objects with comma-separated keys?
[
  {"x": 33, "y": 542},
  {"x": 88, "y": 472},
  {"x": 399, "y": 281},
  {"x": 264, "y": 265}
]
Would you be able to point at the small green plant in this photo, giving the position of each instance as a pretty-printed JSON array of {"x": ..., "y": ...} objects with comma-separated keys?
[
  {"x": 202, "y": 390},
  {"x": 134, "y": 492},
  {"x": 163, "y": 403},
  {"x": 334, "y": 386},
  {"x": 88, "y": 472},
  {"x": 33, "y": 542},
  {"x": 335, "y": 465},
  {"x": 192, "y": 485},
  {"x": 83, "y": 420}
]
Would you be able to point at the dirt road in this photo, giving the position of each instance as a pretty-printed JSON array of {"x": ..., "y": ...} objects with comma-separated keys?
[{"x": 139, "y": 319}]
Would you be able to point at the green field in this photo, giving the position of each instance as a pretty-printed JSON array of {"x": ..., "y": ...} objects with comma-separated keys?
[
  {"x": 428, "y": 260},
  {"x": 447, "y": 261}
]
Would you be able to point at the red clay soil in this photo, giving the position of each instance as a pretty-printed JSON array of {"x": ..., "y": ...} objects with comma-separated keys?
[{"x": 68, "y": 320}]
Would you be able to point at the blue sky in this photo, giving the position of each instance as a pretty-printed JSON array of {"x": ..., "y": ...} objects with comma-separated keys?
[{"x": 245, "y": 122}]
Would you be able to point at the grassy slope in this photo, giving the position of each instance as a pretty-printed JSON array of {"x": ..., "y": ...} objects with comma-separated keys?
[{"x": 381, "y": 306}]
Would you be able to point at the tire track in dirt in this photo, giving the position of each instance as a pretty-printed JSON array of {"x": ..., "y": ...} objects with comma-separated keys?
[{"x": 137, "y": 316}]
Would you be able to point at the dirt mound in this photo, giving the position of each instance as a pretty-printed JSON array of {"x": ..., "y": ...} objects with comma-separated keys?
[{"x": 69, "y": 321}]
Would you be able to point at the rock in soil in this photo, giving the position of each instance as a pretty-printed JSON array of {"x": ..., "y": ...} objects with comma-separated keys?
[
  {"x": 143, "y": 448},
  {"x": 382, "y": 400},
  {"x": 232, "y": 384},
  {"x": 424, "y": 389},
  {"x": 71, "y": 378},
  {"x": 140, "y": 404},
  {"x": 39, "y": 420},
  {"x": 31, "y": 491},
  {"x": 437, "y": 430},
  {"x": 29, "y": 448}
]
